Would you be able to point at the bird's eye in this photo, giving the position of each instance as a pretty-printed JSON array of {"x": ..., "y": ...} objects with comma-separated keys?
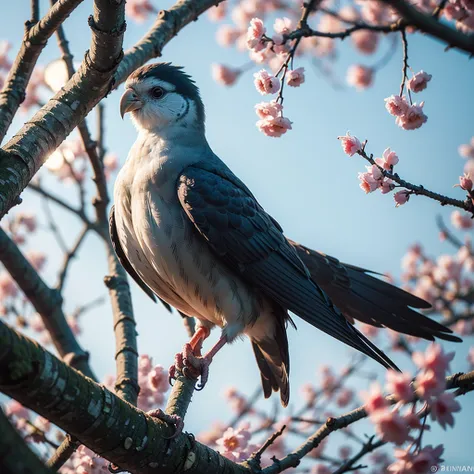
[{"x": 157, "y": 92}]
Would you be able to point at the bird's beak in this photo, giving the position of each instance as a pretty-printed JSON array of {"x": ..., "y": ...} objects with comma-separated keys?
[{"x": 129, "y": 102}]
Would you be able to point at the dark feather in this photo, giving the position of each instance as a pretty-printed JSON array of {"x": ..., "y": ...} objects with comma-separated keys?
[
  {"x": 259, "y": 251},
  {"x": 361, "y": 296}
]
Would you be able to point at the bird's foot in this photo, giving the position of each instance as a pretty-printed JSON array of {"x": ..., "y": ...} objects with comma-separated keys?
[
  {"x": 191, "y": 365},
  {"x": 174, "y": 420}
]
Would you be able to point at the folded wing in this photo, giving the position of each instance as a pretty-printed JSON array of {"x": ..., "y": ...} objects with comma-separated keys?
[{"x": 249, "y": 241}]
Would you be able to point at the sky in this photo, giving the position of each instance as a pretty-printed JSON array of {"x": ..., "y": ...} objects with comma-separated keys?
[{"x": 303, "y": 179}]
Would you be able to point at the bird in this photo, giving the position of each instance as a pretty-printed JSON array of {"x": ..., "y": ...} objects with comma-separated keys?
[{"x": 190, "y": 232}]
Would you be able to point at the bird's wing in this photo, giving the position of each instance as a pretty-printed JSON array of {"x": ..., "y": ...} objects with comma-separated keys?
[
  {"x": 249, "y": 241},
  {"x": 361, "y": 296},
  {"x": 125, "y": 262}
]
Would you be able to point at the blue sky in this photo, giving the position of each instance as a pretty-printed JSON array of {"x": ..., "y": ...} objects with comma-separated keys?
[{"x": 303, "y": 179}]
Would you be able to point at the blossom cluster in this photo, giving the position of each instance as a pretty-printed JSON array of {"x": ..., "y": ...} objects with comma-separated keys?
[{"x": 395, "y": 425}]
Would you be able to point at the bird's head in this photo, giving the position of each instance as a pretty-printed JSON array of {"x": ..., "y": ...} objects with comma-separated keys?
[{"x": 161, "y": 96}]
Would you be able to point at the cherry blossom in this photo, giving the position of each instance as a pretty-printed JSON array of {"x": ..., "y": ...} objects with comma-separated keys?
[
  {"x": 225, "y": 75},
  {"x": 218, "y": 12},
  {"x": 388, "y": 161},
  {"x": 399, "y": 384},
  {"x": 5, "y": 63},
  {"x": 8, "y": 287},
  {"x": 429, "y": 384},
  {"x": 350, "y": 144},
  {"x": 401, "y": 197},
  {"x": 413, "y": 118},
  {"x": 396, "y": 105},
  {"x": 283, "y": 26},
  {"x": 320, "y": 469},
  {"x": 265, "y": 83},
  {"x": 434, "y": 358},
  {"x": 227, "y": 35},
  {"x": 443, "y": 407},
  {"x": 374, "y": 399},
  {"x": 139, "y": 10},
  {"x": 390, "y": 426},
  {"x": 295, "y": 77},
  {"x": 370, "y": 180},
  {"x": 461, "y": 220},
  {"x": 361, "y": 77},
  {"x": 465, "y": 182},
  {"x": 467, "y": 150},
  {"x": 365, "y": 41},
  {"x": 234, "y": 442},
  {"x": 255, "y": 33},
  {"x": 268, "y": 109},
  {"x": 274, "y": 126},
  {"x": 419, "y": 81}
]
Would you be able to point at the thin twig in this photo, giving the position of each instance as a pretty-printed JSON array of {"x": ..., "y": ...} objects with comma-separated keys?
[{"x": 466, "y": 205}]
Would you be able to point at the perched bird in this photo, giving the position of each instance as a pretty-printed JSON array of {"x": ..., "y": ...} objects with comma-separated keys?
[{"x": 188, "y": 230}]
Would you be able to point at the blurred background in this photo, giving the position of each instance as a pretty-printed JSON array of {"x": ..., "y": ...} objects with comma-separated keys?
[{"x": 303, "y": 179}]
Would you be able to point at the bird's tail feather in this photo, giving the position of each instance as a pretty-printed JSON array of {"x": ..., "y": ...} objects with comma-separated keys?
[{"x": 273, "y": 362}]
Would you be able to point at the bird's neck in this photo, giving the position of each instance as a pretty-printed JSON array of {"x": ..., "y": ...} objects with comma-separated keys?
[{"x": 171, "y": 136}]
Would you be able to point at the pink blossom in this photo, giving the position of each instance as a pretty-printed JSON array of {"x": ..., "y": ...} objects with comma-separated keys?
[
  {"x": 400, "y": 385},
  {"x": 461, "y": 220},
  {"x": 369, "y": 330},
  {"x": 74, "y": 325},
  {"x": 401, "y": 197},
  {"x": 454, "y": 11},
  {"x": 442, "y": 409},
  {"x": 345, "y": 452},
  {"x": 374, "y": 399},
  {"x": 5, "y": 63},
  {"x": 14, "y": 408},
  {"x": 309, "y": 393},
  {"x": 110, "y": 164},
  {"x": 467, "y": 4},
  {"x": 283, "y": 26},
  {"x": 224, "y": 75},
  {"x": 295, "y": 77},
  {"x": 374, "y": 12},
  {"x": 227, "y": 35},
  {"x": 429, "y": 384},
  {"x": 419, "y": 81},
  {"x": 28, "y": 220},
  {"x": 255, "y": 33},
  {"x": 396, "y": 105},
  {"x": 426, "y": 459},
  {"x": 413, "y": 421},
  {"x": 388, "y": 161},
  {"x": 217, "y": 12},
  {"x": 158, "y": 379},
  {"x": 414, "y": 117},
  {"x": 139, "y": 10},
  {"x": 274, "y": 126},
  {"x": 434, "y": 358},
  {"x": 350, "y": 144},
  {"x": 37, "y": 259},
  {"x": 470, "y": 356},
  {"x": 268, "y": 109},
  {"x": 265, "y": 83},
  {"x": 387, "y": 186},
  {"x": 234, "y": 440},
  {"x": 467, "y": 150},
  {"x": 8, "y": 287},
  {"x": 320, "y": 469},
  {"x": 365, "y": 41},
  {"x": 361, "y": 77},
  {"x": 390, "y": 426},
  {"x": 370, "y": 180},
  {"x": 465, "y": 182},
  {"x": 344, "y": 397}
]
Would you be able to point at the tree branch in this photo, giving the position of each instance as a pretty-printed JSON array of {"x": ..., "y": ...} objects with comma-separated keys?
[
  {"x": 36, "y": 37},
  {"x": 46, "y": 301},
  {"x": 16, "y": 457},
  {"x": 26, "y": 152},
  {"x": 105, "y": 423}
]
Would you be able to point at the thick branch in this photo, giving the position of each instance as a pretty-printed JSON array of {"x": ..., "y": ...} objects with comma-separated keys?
[
  {"x": 36, "y": 37},
  {"x": 105, "y": 423},
  {"x": 16, "y": 457},
  {"x": 26, "y": 152},
  {"x": 46, "y": 301},
  {"x": 431, "y": 25},
  {"x": 126, "y": 352}
]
